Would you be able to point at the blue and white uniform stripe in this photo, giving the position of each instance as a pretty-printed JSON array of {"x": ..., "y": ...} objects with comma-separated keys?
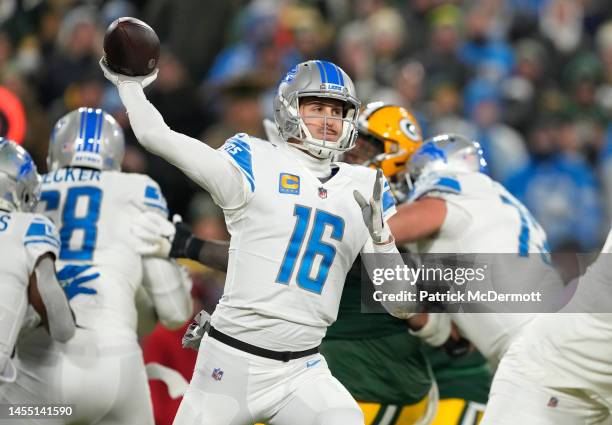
[
  {"x": 240, "y": 152},
  {"x": 41, "y": 232},
  {"x": 433, "y": 183},
  {"x": 90, "y": 130},
  {"x": 154, "y": 198},
  {"x": 330, "y": 73}
]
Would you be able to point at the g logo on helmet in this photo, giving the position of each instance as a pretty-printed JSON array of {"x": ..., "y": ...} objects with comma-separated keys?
[{"x": 409, "y": 129}]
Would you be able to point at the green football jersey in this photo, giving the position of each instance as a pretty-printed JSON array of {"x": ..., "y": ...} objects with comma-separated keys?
[
  {"x": 373, "y": 355},
  {"x": 468, "y": 377}
]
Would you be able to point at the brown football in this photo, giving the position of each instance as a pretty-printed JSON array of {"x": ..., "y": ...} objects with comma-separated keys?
[{"x": 131, "y": 47}]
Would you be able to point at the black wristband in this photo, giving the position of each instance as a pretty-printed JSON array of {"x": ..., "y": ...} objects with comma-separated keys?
[{"x": 194, "y": 246}]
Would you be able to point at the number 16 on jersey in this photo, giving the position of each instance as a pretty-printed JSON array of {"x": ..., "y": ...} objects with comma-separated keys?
[{"x": 307, "y": 278}]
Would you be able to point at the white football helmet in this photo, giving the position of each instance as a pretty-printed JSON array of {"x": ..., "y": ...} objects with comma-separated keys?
[
  {"x": 19, "y": 180},
  {"x": 319, "y": 79},
  {"x": 86, "y": 137},
  {"x": 451, "y": 152}
]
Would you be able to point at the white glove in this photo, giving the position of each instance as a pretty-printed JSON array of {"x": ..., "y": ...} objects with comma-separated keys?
[
  {"x": 118, "y": 79},
  {"x": 153, "y": 233},
  {"x": 436, "y": 331},
  {"x": 372, "y": 212}
]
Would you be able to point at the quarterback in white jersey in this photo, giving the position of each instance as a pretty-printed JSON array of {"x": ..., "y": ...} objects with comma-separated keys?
[
  {"x": 29, "y": 243},
  {"x": 101, "y": 370},
  {"x": 559, "y": 371},
  {"x": 454, "y": 208},
  {"x": 296, "y": 229}
]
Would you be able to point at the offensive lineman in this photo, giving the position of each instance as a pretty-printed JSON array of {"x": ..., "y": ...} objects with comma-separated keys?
[
  {"x": 455, "y": 208},
  {"x": 101, "y": 370},
  {"x": 30, "y": 244},
  {"x": 559, "y": 370},
  {"x": 295, "y": 231}
]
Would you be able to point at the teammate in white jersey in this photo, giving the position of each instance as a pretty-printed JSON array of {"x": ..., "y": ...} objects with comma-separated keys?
[
  {"x": 29, "y": 243},
  {"x": 101, "y": 370},
  {"x": 295, "y": 229},
  {"x": 559, "y": 371},
  {"x": 454, "y": 208}
]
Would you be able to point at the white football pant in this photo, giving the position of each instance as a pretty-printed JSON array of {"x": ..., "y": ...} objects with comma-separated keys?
[{"x": 232, "y": 387}]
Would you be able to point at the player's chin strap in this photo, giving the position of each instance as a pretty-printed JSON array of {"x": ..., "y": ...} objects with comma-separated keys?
[{"x": 59, "y": 315}]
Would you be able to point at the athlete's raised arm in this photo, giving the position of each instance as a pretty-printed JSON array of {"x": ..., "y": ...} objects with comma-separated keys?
[{"x": 207, "y": 167}]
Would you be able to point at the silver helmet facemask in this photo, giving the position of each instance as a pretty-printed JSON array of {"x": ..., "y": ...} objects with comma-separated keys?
[
  {"x": 86, "y": 137},
  {"x": 446, "y": 152},
  {"x": 323, "y": 80},
  {"x": 19, "y": 180}
]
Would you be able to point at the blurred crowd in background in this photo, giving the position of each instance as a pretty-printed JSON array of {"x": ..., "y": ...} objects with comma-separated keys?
[{"x": 531, "y": 80}]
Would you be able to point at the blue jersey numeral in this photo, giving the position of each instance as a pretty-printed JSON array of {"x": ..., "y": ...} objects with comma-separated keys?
[
  {"x": 314, "y": 247},
  {"x": 4, "y": 222},
  {"x": 51, "y": 198},
  {"x": 527, "y": 222},
  {"x": 71, "y": 222}
]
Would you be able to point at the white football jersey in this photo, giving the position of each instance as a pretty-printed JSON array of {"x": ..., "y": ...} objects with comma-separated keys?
[
  {"x": 484, "y": 218},
  {"x": 98, "y": 264},
  {"x": 567, "y": 351},
  {"x": 292, "y": 244},
  {"x": 496, "y": 222},
  {"x": 24, "y": 238},
  {"x": 573, "y": 349}
]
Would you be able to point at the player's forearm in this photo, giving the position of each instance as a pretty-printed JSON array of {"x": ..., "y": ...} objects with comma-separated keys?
[
  {"x": 213, "y": 254},
  {"x": 417, "y": 220},
  {"x": 197, "y": 160},
  {"x": 169, "y": 289},
  {"x": 54, "y": 307},
  {"x": 382, "y": 263}
]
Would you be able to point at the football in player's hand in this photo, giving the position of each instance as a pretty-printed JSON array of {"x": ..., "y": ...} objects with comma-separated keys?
[{"x": 131, "y": 47}]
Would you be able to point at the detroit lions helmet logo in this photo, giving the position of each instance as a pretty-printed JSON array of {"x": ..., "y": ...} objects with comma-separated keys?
[
  {"x": 432, "y": 151},
  {"x": 290, "y": 75}
]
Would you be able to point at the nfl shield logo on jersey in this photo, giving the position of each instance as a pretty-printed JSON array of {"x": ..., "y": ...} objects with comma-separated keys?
[
  {"x": 322, "y": 193},
  {"x": 553, "y": 402},
  {"x": 217, "y": 374}
]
